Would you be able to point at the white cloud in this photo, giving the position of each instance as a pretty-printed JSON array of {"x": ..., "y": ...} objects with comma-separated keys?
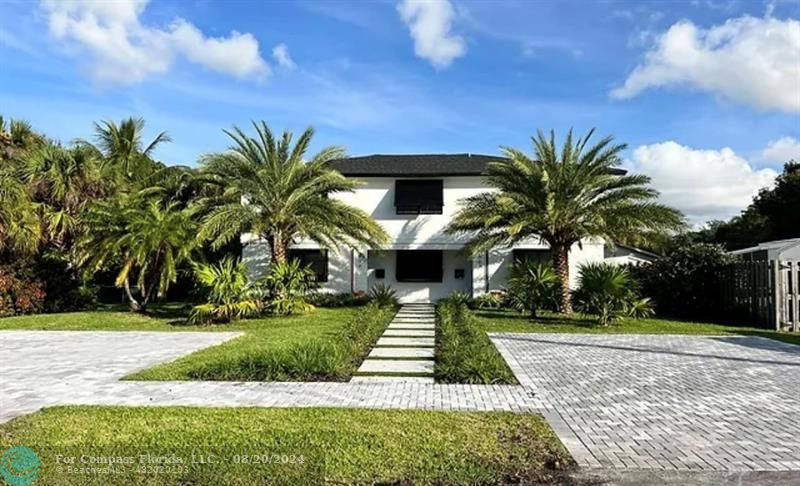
[
  {"x": 429, "y": 23},
  {"x": 750, "y": 60},
  {"x": 782, "y": 150},
  {"x": 704, "y": 184},
  {"x": 124, "y": 51},
  {"x": 281, "y": 55}
]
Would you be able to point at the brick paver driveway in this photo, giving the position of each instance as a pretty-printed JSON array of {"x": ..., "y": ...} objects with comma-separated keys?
[{"x": 665, "y": 402}]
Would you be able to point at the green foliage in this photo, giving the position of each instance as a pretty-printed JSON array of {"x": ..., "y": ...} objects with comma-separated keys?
[
  {"x": 460, "y": 297},
  {"x": 532, "y": 286},
  {"x": 231, "y": 294},
  {"x": 272, "y": 191},
  {"x": 464, "y": 353},
  {"x": 321, "y": 359},
  {"x": 640, "y": 308},
  {"x": 684, "y": 283},
  {"x": 287, "y": 284},
  {"x": 345, "y": 299},
  {"x": 605, "y": 290},
  {"x": 495, "y": 299},
  {"x": 771, "y": 216},
  {"x": 145, "y": 239},
  {"x": 562, "y": 197},
  {"x": 383, "y": 295}
]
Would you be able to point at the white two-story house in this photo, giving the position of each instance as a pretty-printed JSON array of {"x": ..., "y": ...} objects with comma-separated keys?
[{"x": 414, "y": 197}]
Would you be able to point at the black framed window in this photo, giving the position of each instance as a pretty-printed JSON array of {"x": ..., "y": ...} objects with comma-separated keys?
[
  {"x": 317, "y": 259},
  {"x": 419, "y": 196},
  {"x": 419, "y": 266}
]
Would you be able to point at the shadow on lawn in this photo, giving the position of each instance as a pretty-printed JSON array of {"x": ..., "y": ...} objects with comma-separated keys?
[{"x": 554, "y": 319}]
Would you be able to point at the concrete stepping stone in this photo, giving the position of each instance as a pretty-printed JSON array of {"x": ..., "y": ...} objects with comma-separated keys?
[
  {"x": 392, "y": 379},
  {"x": 408, "y": 333},
  {"x": 401, "y": 325},
  {"x": 417, "y": 353},
  {"x": 396, "y": 366},
  {"x": 406, "y": 341}
]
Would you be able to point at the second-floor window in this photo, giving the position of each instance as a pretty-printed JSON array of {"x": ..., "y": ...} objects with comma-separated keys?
[{"x": 419, "y": 196}]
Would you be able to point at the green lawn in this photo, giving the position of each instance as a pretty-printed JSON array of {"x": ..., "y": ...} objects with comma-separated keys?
[
  {"x": 265, "y": 337},
  {"x": 335, "y": 445},
  {"x": 510, "y": 321}
]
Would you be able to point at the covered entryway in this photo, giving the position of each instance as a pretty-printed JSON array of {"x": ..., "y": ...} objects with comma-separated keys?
[{"x": 420, "y": 275}]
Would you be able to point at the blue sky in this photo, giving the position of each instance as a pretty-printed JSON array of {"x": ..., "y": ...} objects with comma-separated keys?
[{"x": 706, "y": 93}]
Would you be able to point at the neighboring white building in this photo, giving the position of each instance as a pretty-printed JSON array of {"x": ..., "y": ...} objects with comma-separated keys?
[
  {"x": 771, "y": 250},
  {"x": 628, "y": 255},
  {"x": 414, "y": 197}
]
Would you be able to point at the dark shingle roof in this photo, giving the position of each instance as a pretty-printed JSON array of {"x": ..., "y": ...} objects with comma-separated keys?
[{"x": 418, "y": 165}]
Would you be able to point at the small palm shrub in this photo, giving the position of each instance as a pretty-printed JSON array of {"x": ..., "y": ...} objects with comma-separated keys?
[
  {"x": 464, "y": 353},
  {"x": 532, "y": 286},
  {"x": 609, "y": 292},
  {"x": 383, "y": 295},
  {"x": 231, "y": 294},
  {"x": 460, "y": 297},
  {"x": 495, "y": 299},
  {"x": 287, "y": 284}
]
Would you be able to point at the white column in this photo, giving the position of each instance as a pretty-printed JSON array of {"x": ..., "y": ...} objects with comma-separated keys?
[{"x": 359, "y": 270}]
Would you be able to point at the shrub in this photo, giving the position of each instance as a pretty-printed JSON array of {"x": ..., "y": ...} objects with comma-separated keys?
[
  {"x": 19, "y": 295},
  {"x": 346, "y": 299},
  {"x": 287, "y": 284},
  {"x": 460, "y": 297},
  {"x": 532, "y": 286},
  {"x": 307, "y": 360},
  {"x": 464, "y": 353},
  {"x": 606, "y": 290},
  {"x": 383, "y": 295},
  {"x": 685, "y": 283},
  {"x": 231, "y": 294},
  {"x": 495, "y": 299}
]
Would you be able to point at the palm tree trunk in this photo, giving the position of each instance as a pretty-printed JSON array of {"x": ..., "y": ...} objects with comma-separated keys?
[
  {"x": 278, "y": 249},
  {"x": 134, "y": 304},
  {"x": 560, "y": 253}
]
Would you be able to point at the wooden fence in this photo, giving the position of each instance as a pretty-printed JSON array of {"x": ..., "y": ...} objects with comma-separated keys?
[{"x": 767, "y": 292}]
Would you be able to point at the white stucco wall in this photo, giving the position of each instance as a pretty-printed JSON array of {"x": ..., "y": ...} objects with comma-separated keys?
[{"x": 376, "y": 197}]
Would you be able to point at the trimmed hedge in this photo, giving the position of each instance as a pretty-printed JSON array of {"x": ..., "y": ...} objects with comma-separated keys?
[
  {"x": 310, "y": 360},
  {"x": 464, "y": 352}
]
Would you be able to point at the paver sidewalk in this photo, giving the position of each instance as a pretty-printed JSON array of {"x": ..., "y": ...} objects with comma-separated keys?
[{"x": 404, "y": 353}]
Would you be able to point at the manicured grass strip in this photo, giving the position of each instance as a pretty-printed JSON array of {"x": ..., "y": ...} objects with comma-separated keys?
[
  {"x": 464, "y": 353},
  {"x": 326, "y": 345},
  {"x": 511, "y": 321},
  {"x": 338, "y": 445}
]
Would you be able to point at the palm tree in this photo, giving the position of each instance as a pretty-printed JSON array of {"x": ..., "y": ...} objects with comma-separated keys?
[
  {"x": 121, "y": 145},
  {"x": 562, "y": 198},
  {"x": 20, "y": 226},
  {"x": 148, "y": 240},
  {"x": 271, "y": 192},
  {"x": 63, "y": 181}
]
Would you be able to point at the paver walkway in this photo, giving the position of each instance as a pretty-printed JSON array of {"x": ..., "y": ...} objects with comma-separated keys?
[
  {"x": 665, "y": 402},
  {"x": 404, "y": 353}
]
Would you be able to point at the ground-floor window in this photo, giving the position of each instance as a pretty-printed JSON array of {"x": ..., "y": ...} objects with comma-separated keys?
[
  {"x": 419, "y": 266},
  {"x": 317, "y": 259}
]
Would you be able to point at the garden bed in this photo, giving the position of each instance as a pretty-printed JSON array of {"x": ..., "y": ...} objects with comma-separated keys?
[
  {"x": 464, "y": 353},
  {"x": 336, "y": 445}
]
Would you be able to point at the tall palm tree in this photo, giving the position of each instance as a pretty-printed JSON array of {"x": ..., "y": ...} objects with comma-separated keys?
[
  {"x": 271, "y": 192},
  {"x": 562, "y": 198},
  {"x": 122, "y": 147},
  {"x": 63, "y": 181},
  {"x": 146, "y": 239},
  {"x": 20, "y": 226}
]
